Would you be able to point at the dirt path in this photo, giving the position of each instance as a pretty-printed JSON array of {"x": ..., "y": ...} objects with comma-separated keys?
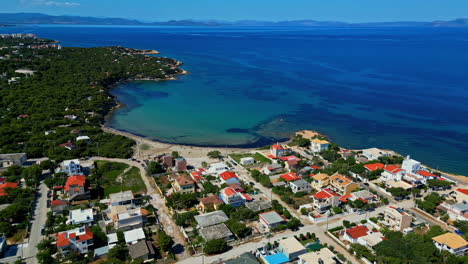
[{"x": 159, "y": 204}]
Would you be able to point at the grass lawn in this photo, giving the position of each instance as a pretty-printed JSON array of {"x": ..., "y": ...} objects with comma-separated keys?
[
  {"x": 116, "y": 178},
  {"x": 257, "y": 157}
]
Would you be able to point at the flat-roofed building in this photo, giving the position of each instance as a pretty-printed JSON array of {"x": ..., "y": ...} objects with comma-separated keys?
[
  {"x": 396, "y": 218},
  {"x": 271, "y": 219},
  {"x": 323, "y": 256},
  {"x": 291, "y": 248},
  {"x": 121, "y": 198}
]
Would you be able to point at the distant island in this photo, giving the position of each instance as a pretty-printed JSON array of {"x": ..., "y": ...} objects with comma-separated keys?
[{"x": 37, "y": 18}]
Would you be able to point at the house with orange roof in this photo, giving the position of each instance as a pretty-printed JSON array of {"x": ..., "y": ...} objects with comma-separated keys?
[
  {"x": 325, "y": 199},
  {"x": 230, "y": 196},
  {"x": 319, "y": 181},
  {"x": 461, "y": 195},
  {"x": 184, "y": 184},
  {"x": 374, "y": 166},
  {"x": 290, "y": 176},
  {"x": 229, "y": 177},
  {"x": 453, "y": 243},
  {"x": 77, "y": 240},
  {"x": 277, "y": 150},
  {"x": 76, "y": 188},
  {"x": 7, "y": 185},
  {"x": 342, "y": 184},
  {"x": 392, "y": 173}
]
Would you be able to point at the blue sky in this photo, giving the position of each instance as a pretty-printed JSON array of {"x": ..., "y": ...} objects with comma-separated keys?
[{"x": 336, "y": 10}]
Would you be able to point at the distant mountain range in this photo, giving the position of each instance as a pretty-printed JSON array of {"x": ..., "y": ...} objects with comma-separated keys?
[{"x": 36, "y": 18}]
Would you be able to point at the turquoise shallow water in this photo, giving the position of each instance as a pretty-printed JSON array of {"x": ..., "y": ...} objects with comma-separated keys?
[{"x": 399, "y": 88}]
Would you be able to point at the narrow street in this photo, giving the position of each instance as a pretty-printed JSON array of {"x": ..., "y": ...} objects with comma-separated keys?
[{"x": 40, "y": 217}]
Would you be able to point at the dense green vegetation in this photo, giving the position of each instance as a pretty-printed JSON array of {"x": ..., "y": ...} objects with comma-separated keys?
[
  {"x": 67, "y": 83},
  {"x": 112, "y": 177},
  {"x": 413, "y": 248}
]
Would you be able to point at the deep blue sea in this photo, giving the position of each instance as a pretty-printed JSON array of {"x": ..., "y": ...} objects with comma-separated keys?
[{"x": 404, "y": 89}]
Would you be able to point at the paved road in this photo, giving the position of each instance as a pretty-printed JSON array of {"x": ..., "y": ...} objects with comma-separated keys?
[
  {"x": 159, "y": 204},
  {"x": 40, "y": 217}
]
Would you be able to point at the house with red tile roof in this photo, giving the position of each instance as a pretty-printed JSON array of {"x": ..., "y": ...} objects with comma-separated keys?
[
  {"x": 196, "y": 175},
  {"x": 374, "y": 166},
  {"x": 76, "y": 188},
  {"x": 392, "y": 173},
  {"x": 352, "y": 234},
  {"x": 230, "y": 196},
  {"x": 77, "y": 240},
  {"x": 277, "y": 151},
  {"x": 229, "y": 177},
  {"x": 427, "y": 174},
  {"x": 325, "y": 199},
  {"x": 67, "y": 145},
  {"x": 7, "y": 185},
  {"x": 461, "y": 195},
  {"x": 290, "y": 176}
]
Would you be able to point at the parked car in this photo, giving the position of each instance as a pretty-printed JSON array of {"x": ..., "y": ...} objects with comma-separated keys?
[{"x": 360, "y": 212}]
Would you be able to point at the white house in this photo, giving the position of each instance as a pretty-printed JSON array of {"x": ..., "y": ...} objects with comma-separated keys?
[
  {"x": 392, "y": 173},
  {"x": 318, "y": 145},
  {"x": 247, "y": 161},
  {"x": 300, "y": 186},
  {"x": 217, "y": 168},
  {"x": 134, "y": 235},
  {"x": 411, "y": 165},
  {"x": 71, "y": 167},
  {"x": 78, "y": 240},
  {"x": 81, "y": 216},
  {"x": 374, "y": 153},
  {"x": 230, "y": 196}
]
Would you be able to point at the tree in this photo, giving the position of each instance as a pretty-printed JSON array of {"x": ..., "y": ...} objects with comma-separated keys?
[
  {"x": 32, "y": 174},
  {"x": 215, "y": 246},
  {"x": 239, "y": 229},
  {"x": 119, "y": 252},
  {"x": 214, "y": 154},
  {"x": 99, "y": 237},
  {"x": 415, "y": 192},
  {"x": 155, "y": 168},
  {"x": 175, "y": 154},
  {"x": 120, "y": 237},
  {"x": 294, "y": 224},
  {"x": 164, "y": 241}
]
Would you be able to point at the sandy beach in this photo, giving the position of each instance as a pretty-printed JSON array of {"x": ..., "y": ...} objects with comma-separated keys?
[{"x": 146, "y": 148}]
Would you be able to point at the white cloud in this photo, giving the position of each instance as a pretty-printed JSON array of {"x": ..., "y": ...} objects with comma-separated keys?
[
  {"x": 47, "y": 3},
  {"x": 55, "y": 3}
]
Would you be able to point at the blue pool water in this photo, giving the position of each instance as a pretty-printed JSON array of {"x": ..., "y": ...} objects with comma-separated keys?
[{"x": 404, "y": 89}]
